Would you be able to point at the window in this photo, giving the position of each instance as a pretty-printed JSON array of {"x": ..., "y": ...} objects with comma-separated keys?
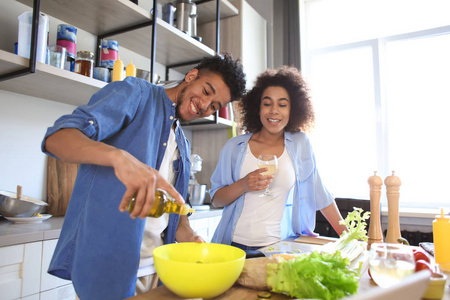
[{"x": 379, "y": 73}]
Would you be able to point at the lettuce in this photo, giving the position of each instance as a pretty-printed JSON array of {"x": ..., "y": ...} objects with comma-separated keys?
[{"x": 316, "y": 275}]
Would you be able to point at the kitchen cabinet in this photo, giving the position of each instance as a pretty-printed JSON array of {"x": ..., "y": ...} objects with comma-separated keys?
[
  {"x": 204, "y": 223},
  {"x": 101, "y": 18},
  {"x": 23, "y": 273},
  {"x": 20, "y": 267}
]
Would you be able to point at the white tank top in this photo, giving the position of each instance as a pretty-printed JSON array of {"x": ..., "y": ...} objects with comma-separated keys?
[
  {"x": 259, "y": 223},
  {"x": 155, "y": 226}
]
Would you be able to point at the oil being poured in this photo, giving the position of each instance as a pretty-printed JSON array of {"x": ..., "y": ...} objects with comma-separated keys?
[{"x": 163, "y": 203}]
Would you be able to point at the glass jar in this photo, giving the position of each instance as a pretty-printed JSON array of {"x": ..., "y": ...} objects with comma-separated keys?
[{"x": 84, "y": 63}]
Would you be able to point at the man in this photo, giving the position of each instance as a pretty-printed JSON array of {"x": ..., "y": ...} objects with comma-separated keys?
[{"x": 128, "y": 142}]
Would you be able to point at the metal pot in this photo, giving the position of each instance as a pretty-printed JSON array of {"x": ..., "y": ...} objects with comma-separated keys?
[
  {"x": 16, "y": 205},
  {"x": 198, "y": 193},
  {"x": 146, "y": 75}
]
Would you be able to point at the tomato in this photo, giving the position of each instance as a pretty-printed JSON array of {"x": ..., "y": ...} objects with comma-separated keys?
[
  {"x": 423, "y": 265},
  {"x": 420, "y": 254}
]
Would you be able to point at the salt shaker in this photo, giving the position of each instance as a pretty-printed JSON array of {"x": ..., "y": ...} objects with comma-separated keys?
[
  {"x": 392, "y": 191},
  {"x": 375, "y": 232}
]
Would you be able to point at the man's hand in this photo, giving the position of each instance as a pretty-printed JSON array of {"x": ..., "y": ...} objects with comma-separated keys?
[
  {"x": 185, "y": 233},
  {"x": 141, "y": 182}
]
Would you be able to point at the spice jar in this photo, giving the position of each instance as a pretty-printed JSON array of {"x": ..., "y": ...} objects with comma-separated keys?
[{"x": 84, "y": 64}]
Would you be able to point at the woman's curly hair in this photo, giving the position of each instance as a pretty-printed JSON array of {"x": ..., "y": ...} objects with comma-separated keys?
[{"x": 301, "y": 116}]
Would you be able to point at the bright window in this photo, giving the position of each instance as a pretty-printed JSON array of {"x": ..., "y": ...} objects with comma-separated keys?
[{"x": 379, "y": 73}]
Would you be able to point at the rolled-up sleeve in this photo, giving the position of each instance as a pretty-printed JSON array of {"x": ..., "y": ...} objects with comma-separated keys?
[{"x": 111, "y": 108}]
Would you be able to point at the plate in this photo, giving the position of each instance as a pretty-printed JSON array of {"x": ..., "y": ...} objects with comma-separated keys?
[{"x": 29, "y": 219}]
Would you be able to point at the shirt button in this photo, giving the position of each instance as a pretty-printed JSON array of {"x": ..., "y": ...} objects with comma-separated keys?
[
  {"x": 173, "y": 104},
  {"x": 165, "y": 144},
  {"x": 91, "y": 122},
  {"x": 171, "y": 118}
]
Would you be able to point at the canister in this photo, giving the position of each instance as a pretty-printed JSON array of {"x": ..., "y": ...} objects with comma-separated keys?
[
  {"x": 84, "y": 63},
  {"x": 109, "y": 53},
  {"x": 66, "y": 36}
]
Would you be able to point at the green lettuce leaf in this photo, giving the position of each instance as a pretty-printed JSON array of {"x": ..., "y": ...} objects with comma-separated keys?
[{"x": 315, "y": 276}]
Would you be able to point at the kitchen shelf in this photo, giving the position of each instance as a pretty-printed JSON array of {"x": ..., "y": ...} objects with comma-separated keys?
[
  {"x": 48, "y": 82},
  {"x": 207, "y": 11},
  {"x": 200, "y": 124},
  {"x": 102, "y": 17}
]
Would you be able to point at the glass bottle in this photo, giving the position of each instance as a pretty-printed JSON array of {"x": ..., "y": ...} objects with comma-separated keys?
[
  {"x": 84, "y": 64},
  {"x": 163, "y": 203}
]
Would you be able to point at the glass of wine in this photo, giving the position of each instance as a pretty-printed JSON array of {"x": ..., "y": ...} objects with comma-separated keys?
[
  {"x": 271, "y": 163},
  {"x": 390, "y": 263}
]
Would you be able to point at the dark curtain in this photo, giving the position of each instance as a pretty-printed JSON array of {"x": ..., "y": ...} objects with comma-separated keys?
[{"x": 291, "y": 32}]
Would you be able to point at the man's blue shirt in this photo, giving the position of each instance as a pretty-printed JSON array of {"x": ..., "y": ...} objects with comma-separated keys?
[{"x": 99, "y": 246}]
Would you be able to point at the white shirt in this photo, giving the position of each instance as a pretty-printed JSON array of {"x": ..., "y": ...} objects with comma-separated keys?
[
  {"x": 259, "y": 222},
  {"x": 155, "y": 226}
]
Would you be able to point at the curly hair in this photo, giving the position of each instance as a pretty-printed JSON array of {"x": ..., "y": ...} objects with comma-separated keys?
[
  {"x": 230, "y": 70},
  {"x": 301, "y": 116}
]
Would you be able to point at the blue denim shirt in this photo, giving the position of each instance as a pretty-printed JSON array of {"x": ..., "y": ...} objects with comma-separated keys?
[
  {"x": 98, "y": 248},
  {"x": 306, "y": 197}
]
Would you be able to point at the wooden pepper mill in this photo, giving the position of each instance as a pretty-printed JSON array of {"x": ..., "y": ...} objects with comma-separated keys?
[
  {"x": 375, "y": 232},
  {"x": 392, "y": 191}
]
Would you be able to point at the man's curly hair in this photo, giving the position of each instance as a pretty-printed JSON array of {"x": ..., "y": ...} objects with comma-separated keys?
[
  {"x": 301, "y": 116},
  {"x": 230, "y": 70}
]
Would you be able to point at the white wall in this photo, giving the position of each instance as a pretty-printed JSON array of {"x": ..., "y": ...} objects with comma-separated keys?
[{"x": 24, "y": 119}]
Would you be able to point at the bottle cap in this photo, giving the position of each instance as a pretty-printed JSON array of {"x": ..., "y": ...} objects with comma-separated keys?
[
  {"x": 392, "y": 180},
  {"x": 442, "y": 216},
  {"x": 375, "y": 180}
]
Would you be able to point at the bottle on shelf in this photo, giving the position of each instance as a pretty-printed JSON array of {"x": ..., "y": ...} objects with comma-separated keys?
[
  {"x": 117, "y": 70},
  {"x": 131, "y": 69},
  {"x": 163, "y": 203},
  {"x": 441, "y": 240}
]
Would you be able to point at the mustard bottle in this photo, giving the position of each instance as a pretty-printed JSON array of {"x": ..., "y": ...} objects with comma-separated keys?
[
  {"x": 441, "y": 240},
  {"x": 131, "y": 69},
  {"x": 163, "y": 203},
  {"x": 117, "y": 70}
]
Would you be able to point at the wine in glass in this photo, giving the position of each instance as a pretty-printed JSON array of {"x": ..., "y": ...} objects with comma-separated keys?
[
  {"x": 271, "y": 163},
  {"x": 390, "y": 263}
]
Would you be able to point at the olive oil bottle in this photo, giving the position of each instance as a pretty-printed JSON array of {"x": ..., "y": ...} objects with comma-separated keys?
[{"x": 163, "y": 203}]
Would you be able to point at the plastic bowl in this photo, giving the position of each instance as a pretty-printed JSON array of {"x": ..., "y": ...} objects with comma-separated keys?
[
  {"x": 198, "y": 270},
  {"x": 10, "y": 206},
  {"x": 436, "y": 286}
]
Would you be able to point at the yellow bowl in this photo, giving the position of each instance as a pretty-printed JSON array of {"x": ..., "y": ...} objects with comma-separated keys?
[
  {"x": 436, "y": 286},
  {"x": 198, "y": 270}
]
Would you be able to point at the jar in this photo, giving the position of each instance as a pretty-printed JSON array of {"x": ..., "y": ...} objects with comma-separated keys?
[{"x": 84, "y": 64}]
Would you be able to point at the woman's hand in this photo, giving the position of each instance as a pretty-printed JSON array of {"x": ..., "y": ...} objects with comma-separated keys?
[{"x": 255, "y": 181}]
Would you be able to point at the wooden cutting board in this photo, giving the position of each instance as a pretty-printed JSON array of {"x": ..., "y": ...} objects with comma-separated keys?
[{"x": 60, "y": 180}]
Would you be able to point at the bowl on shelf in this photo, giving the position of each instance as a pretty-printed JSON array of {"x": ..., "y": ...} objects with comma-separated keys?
[
  {"x": 198, "y": 270},
  {"x": 12, "y": 205}
]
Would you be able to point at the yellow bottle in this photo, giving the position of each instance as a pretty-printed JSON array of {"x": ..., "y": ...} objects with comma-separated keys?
[
  {"x": 441, "y": 240},
  {"x": 117, "y": 70},
  {"x": 131, "y": 69},
  {"x": 164, "y": 204}
]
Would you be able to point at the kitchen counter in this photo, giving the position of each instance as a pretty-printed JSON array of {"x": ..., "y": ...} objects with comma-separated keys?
[{"x": 20, "y": 233}]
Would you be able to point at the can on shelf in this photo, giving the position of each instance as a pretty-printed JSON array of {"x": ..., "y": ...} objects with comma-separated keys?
[
  {"x": 66, "y": 36},
  {"x": 109, "y": 53}
]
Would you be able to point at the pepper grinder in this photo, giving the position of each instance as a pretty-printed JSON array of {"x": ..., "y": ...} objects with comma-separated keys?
[
  {"x": 392, "y": 191},
  {"x": 375, "y": 232}
]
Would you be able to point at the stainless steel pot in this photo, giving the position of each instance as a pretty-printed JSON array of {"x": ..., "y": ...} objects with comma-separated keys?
[
  {"x": 16, "y": 205},
  {"x": 198, "y": 193}
]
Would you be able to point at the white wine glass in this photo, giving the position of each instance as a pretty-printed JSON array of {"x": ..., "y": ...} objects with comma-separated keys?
[
  {"x": 390, "y": 263},
  {"x": 271, "y": 163}
]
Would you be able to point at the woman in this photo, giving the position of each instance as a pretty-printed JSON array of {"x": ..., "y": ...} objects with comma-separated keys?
[{"x": 274, "y": 112}]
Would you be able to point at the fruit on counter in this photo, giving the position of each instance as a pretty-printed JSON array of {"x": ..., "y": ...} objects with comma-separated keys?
[
  {"x": 423, "y": 265},
  {"x": 350, "y": 243},
  {"x": 420, "y": 254}
]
